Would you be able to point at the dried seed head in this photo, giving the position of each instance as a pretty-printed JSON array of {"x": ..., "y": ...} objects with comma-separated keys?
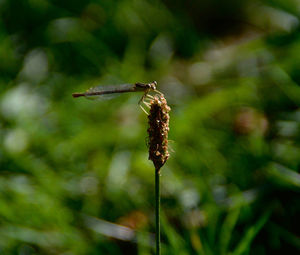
[{"x": 158, "y": 120}]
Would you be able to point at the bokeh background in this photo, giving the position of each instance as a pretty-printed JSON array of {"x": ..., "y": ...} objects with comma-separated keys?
[{"x": 74, "y": 174}]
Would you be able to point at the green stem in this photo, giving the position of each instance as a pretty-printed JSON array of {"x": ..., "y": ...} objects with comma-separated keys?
[{"x": 157, "y": 210}]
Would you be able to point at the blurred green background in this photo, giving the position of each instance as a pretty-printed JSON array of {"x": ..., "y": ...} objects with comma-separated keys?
[{"x": 74, "y": 174}]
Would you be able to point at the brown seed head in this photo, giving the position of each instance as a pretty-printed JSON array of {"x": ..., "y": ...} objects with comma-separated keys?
[{"x": 158, "y": 120}]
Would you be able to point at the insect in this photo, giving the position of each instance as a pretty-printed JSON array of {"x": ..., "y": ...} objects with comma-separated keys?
[{"x": 100, "y": 91}]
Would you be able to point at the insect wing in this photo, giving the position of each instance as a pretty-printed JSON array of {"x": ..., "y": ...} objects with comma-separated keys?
[{"x": 109, "y": 91}]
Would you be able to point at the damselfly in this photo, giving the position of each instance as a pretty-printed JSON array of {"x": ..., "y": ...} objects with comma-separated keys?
[{"x": 124, "y": 88}]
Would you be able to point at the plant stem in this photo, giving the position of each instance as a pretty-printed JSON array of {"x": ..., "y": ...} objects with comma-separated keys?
[{"x": 157, "y": 210}]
